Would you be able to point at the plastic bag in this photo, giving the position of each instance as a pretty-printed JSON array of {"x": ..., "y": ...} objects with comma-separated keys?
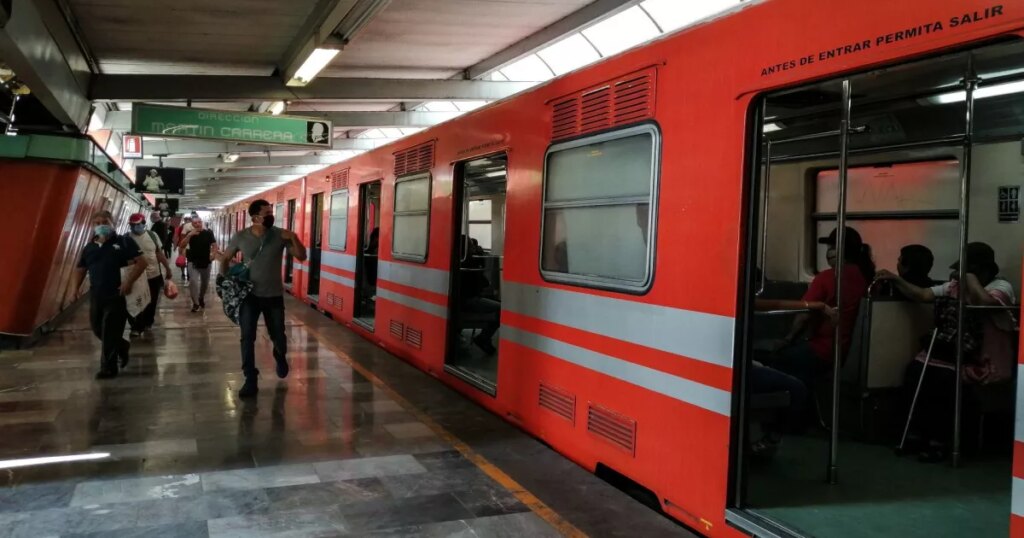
[
  {"x": 180, "y": 261},
  {"x": 138, "y": 298}
]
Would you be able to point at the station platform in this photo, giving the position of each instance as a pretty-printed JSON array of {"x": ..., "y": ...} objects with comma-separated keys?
[{"x": 353, "y": 443}]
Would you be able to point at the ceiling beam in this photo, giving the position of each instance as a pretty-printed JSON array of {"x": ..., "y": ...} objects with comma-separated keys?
[
  {"x": 29, "y": 47},
  {"x": 192, "y": 175},
  {"x": 591, "y": 13},
  {"x": 209, "y": 163},
  {"x": 121, "y": 120},
  {"x": 330, "y": 20},
  {"x": 254, "y": 88},
  {"x": 191, "y": 147}
]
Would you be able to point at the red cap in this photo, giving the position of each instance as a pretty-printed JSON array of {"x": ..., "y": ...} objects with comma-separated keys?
[{"x": 136, "y": 218}]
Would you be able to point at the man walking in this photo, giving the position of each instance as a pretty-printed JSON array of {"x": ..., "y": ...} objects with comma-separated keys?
[
  {"x": 163, "y": 231},
  {"x": 199, "y": 248},
  {"x": 261, "y": 246},
  {"x": 103, "y": 259},
  {"x": 152, "y": 252}
]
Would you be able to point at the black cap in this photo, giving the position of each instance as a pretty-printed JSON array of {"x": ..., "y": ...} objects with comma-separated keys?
[
  {"x": 852, "y": 238},
  {"x": 979, "y": 255}
]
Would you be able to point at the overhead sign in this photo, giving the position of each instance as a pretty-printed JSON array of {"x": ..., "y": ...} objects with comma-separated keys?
[
  {"x": 131, "y": 146},
  {"x": 228, "y": 125}
]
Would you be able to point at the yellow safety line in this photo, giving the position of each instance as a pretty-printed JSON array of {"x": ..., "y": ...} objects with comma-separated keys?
[{"x": 530, "y": 500}]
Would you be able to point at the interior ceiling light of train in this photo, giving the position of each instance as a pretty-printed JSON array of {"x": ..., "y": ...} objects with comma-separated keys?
[{"x": 214, "y": 182}]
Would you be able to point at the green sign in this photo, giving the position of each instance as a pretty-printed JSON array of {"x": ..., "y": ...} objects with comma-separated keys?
[{"x": 226, "y": 125}]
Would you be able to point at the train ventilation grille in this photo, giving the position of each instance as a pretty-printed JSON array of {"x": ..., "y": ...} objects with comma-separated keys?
[
  {"x": 625, "y": 100},
  {"x": 558, "y": 402},
  {"x": 617, "y": 429},
  {"x": 397, "y": 329},
  {"x": 339, "y": 179},
  {"x": 414, "y": 337},
  {"x": 415, "y": 159},
  {"x": 335, "y": 301}
]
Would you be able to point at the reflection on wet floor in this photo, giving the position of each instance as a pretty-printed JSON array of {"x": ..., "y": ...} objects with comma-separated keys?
[{"x": 325, "y": 452}]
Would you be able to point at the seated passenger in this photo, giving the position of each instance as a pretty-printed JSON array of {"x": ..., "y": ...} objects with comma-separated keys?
[
  {"x": 914, "y": 265},
  {"x": 370, "y": 256},
  {"x": 473, "y": 283},
  {"x": 808, "y": 359},
  {"x": 989, "y": 351}
]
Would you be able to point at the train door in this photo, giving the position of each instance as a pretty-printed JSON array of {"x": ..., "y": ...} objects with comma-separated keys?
[
  {"x": 365, "y": 309},
  {"x": 868, "y": 191},
  {"x": 289, "y": 262},
  {"x": 316, "y": 225},
  {"x": 477, "y": 259}
]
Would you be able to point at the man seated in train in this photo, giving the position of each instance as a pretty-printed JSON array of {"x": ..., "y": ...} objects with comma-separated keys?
[
  {"x": 473, "y": 282},
  {"x": 808, "y": 359},
  {"x": 914, "y": 265},
  {"x": 989, "y": 352}
]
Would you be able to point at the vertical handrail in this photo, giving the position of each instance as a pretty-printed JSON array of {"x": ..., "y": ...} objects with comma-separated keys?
[
  {"x": 764, "y": 216},
  {"x": 837, "y": 348},
  {"x": 970, "y": 85}
]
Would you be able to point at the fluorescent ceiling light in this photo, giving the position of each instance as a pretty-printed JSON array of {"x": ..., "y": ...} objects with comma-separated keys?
[
  {"x": 230, "y": 157},
  {"x": 315, "y": 63},
  {"x": 772, "y": 127},
  {"x": 276, "y": 108},
  {"x": 980, "y": 93},
  {"x": 28, "y": 462}
]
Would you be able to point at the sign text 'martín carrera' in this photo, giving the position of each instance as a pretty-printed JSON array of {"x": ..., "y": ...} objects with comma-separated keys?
[{"x": 248, "y": 127}]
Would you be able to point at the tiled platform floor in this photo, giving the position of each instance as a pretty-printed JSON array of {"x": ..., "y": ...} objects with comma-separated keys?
[{"x": 323, "y": 453}]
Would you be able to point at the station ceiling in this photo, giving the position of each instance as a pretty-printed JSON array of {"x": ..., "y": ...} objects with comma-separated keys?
[{"x": 403, "y": 65}]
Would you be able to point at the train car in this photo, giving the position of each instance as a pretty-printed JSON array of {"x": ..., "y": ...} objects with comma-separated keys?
[
  {"x": 62, "y": 181},
  {"x": 585, "y": 259}
]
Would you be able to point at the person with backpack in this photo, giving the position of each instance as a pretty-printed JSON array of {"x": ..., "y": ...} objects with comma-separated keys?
[
  {"x": 262, "y": 246},
  {"x": 199, "y": 246},
  {"x": 988, "y": 348},
  {"x": 102, "y": 259},
  {"x": 152, "y": 251}
]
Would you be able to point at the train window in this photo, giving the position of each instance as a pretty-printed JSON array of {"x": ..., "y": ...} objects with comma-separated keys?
[
  {"x": 412, "y": 218},
  {"x": 337, "y": 234},
  {"x": 598, "y": 199}
]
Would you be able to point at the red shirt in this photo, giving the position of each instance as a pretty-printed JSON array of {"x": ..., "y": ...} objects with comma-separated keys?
[{"x": 823, "y": 289}]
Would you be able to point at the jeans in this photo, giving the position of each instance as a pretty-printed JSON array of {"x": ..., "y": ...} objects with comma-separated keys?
[
  {"x": 799, "y": 361},
  {"x": 198, "y": 283},
  {"x": 490, "y": 309},
  {"x": 763, "y": 380},
  {"x": 147, "y": 317},
  {"x": 272, "y": 309},
  {"x": 107, "y": 317}
]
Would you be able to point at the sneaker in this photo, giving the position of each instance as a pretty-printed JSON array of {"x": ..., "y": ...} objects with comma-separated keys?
[
  {"x": 106, "y": 374},
  {"x": 202, "y": 304},
  {"x": 123, "y": 361},
  {"x": 249, "y": 388},
  {"x": 195, "y": 307},
  {"x": 485, "y": 345}
]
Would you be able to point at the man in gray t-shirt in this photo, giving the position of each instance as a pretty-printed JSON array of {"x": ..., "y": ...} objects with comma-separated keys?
[{"x": 261, "y": 246}]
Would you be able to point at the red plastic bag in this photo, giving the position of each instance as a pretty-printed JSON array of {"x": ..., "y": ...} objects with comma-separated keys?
[
  {"x": 180, "y": 261},
  {"x": 170, "y": 289}
]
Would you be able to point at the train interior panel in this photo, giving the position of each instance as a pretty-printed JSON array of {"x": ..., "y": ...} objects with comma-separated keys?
[
  {"x": 365, "y": 311},
  {"x": 818, "y": 457}
]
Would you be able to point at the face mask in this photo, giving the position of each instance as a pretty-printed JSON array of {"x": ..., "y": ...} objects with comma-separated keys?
[
  {"x": 268, "y": 221},
  {"x": 137, "y": 229},
  {"x": 103, "y": 229}
]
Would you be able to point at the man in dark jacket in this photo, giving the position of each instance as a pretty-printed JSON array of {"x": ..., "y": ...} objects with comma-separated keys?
[{"x": 103, "y": 259}]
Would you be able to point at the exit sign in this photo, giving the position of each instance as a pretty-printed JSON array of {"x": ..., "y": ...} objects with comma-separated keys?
[{"x": 131, "y": 147}]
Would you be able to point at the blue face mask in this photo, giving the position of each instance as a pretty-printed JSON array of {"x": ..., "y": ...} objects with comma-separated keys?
[
  {"x": 103, "y": 230},
  {"x": 137, "y": 229}
]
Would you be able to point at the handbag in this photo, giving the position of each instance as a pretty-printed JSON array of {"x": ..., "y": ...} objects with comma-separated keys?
[
  {"x": 236, "y": 286},
  {"x": 240, "y": 271},
  {"x": 180, "y": 261}
]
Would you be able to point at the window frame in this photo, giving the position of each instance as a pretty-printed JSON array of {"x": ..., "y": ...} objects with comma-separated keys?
[
  {"x": 395, "y": 214},
  {"x": 332, "y": 243},
  {"x": 602, "y": 282}
]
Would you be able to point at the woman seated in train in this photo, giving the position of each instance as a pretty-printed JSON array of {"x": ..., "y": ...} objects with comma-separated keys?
[
  {"x": 762, "y": 379},
  {"x": 472, "y": 286},
  {"x": 914, "y": 265},
  {"x": 808, "y": 359},
  {"x": 989, "y": 350}
]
